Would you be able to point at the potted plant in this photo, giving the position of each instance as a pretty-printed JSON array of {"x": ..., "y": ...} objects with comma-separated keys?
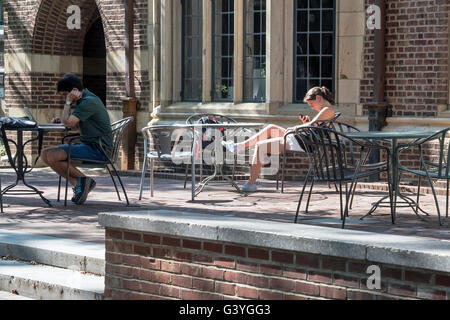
[{"x": 222, "y": 90}]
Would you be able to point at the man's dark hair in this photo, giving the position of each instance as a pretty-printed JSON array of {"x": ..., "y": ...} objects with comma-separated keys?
[{"x": 68, "y": 82}]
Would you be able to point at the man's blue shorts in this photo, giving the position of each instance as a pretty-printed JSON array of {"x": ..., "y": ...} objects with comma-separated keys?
[{"x": 84, "y": 152}]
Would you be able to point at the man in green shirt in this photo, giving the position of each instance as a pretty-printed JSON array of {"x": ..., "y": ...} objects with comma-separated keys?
[{"x": 92, "y": 119}]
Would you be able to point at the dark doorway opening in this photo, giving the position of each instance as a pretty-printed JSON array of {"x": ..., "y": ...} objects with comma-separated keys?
[{"x": 94, "y": 60}]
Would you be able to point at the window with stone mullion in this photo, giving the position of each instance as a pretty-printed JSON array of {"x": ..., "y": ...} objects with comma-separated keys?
[{"x": 314, "y": 46}]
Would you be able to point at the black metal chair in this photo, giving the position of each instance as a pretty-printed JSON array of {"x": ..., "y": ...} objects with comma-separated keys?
[
  {"x": 193, "y": 119},
  {"x": 351, "y": 158},
  {"x": 117, "y": 129},
  {"x": 286, "y": 152},
  {"x": 162, "y": 143},
  {"x": 333, "y": 160},
  {"x": 432, "y": 170}
]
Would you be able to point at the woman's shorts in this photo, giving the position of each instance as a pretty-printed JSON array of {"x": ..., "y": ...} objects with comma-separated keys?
[{"x": 293, "y": 143}]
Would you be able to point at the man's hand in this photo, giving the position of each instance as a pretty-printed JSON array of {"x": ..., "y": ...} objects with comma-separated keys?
[
  {"x": 74, "y": 95},
  {"x": 56, "y": 120}
]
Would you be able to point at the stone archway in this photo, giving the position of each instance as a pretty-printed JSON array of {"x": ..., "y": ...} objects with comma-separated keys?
[{"x": 61, "y": 50}]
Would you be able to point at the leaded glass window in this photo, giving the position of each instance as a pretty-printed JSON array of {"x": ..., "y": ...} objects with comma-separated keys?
[
  {"x": 192, "y": 50},
  {"x": 255, "y": 51},
  {"x": 314, "y": 45},
  {"x": 223, "y": 49}
]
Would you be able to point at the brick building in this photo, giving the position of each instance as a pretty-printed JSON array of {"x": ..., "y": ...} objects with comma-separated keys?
[{"x": 252, "y": 59}]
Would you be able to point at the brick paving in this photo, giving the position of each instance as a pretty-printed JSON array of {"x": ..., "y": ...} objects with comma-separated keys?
[{"x": 30, "y": 214}]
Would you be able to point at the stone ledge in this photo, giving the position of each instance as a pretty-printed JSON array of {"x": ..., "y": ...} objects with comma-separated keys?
[{"x": 404, "y": 251}]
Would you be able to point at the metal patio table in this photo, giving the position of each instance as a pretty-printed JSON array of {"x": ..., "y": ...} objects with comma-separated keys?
[
  {"x": 218, "y": 166},
  {"x": 393, "y": 155},
  {"x": 20, "y": 162}
]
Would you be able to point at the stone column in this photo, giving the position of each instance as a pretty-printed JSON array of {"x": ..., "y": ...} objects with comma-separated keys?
[
  {"x": 166, "y": 53},
  {"x": 207, "y": 51},
  {"x": 238, "y": 51},
  {"x": 154, "y": 41},
  {"x": 274, "y": 52},
  {"x": 177, "y": 43},
  {"x": 350, "y": 25},
  {"x": 288, "y": 94}
]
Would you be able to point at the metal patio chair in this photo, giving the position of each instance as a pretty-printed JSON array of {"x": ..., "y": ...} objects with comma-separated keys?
[
  {"x": 350, "y": 155},
  {"x": 432, "y": 170},
  {"x": 162, "y": 143},
  {"x": 333, "y": 160},
  {"x": 285, "y": 152},
  {"x": 117, "y": 129}
]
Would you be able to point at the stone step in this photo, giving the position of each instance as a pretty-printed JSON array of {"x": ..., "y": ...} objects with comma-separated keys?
[
  {"x": 12, "y": 296},
  {"x": 49, "y": 283},
  {"x": 64, "y": 253}
]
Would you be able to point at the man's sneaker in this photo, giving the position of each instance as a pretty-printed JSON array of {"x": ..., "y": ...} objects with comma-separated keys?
[
  {"x": 82, "y": 190},
  {"x": 249, "y": 188},
  {"x": 75, "y": 189},
  {"x": 230, "y": 146}
]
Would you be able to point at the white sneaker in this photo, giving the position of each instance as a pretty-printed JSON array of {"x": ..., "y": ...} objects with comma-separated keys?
[
  {"x": 230, "y": 146},
  {"x": 249, "y": 188}
]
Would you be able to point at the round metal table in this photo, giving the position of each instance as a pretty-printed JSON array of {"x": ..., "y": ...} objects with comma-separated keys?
[{"x": 393, "y": 136}]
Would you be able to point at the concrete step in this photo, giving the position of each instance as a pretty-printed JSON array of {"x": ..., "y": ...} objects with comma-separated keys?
[
  {"x": 64, "y": 253},
  {"x": 49, "y": 283}
]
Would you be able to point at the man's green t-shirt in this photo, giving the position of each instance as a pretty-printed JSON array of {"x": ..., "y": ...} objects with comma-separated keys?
[{"x": 94, "y": 120}]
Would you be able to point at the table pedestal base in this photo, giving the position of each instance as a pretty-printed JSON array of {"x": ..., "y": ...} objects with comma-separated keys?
[
  {"x": 32, "y": 190},
  {"x": 407, "y": 202},
  {"x": 218, "y": 172}
]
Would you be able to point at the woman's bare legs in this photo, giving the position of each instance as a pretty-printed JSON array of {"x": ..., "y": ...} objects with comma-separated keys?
[
  {"x": 272, "y": 146},
  {"x": 269, "y": 132}
]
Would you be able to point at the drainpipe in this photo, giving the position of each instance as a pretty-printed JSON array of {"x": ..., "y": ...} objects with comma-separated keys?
[
  {"x": 378, "y": 107},
  {"x": 129, "y": 102}
]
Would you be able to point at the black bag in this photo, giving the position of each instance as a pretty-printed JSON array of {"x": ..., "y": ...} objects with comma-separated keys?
[
  {"x": 15, "y": 123},
  {"x": 207, "y": 137}
]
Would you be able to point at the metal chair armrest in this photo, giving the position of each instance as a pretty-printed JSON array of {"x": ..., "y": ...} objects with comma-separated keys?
[{"x": 70, "y": 135}]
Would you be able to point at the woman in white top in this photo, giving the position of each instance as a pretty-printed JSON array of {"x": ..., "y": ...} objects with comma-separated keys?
[{"x": 270, "y": 140}]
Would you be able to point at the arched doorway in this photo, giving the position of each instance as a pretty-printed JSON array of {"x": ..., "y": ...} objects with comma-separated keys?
[
  {"x": 94, "y": 60},
  {"x": 63, "y": 49}
]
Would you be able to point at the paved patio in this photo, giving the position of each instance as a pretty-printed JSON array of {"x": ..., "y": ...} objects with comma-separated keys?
[{"x": 30, "y": 214}]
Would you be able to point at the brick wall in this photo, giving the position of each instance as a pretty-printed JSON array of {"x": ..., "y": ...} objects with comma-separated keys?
[
  {"x": 417, "y": 57},
  {"x": 151, "y": 266},
  {"x": 18, "y": 30},
  {"x": 115, "y": 90}
]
